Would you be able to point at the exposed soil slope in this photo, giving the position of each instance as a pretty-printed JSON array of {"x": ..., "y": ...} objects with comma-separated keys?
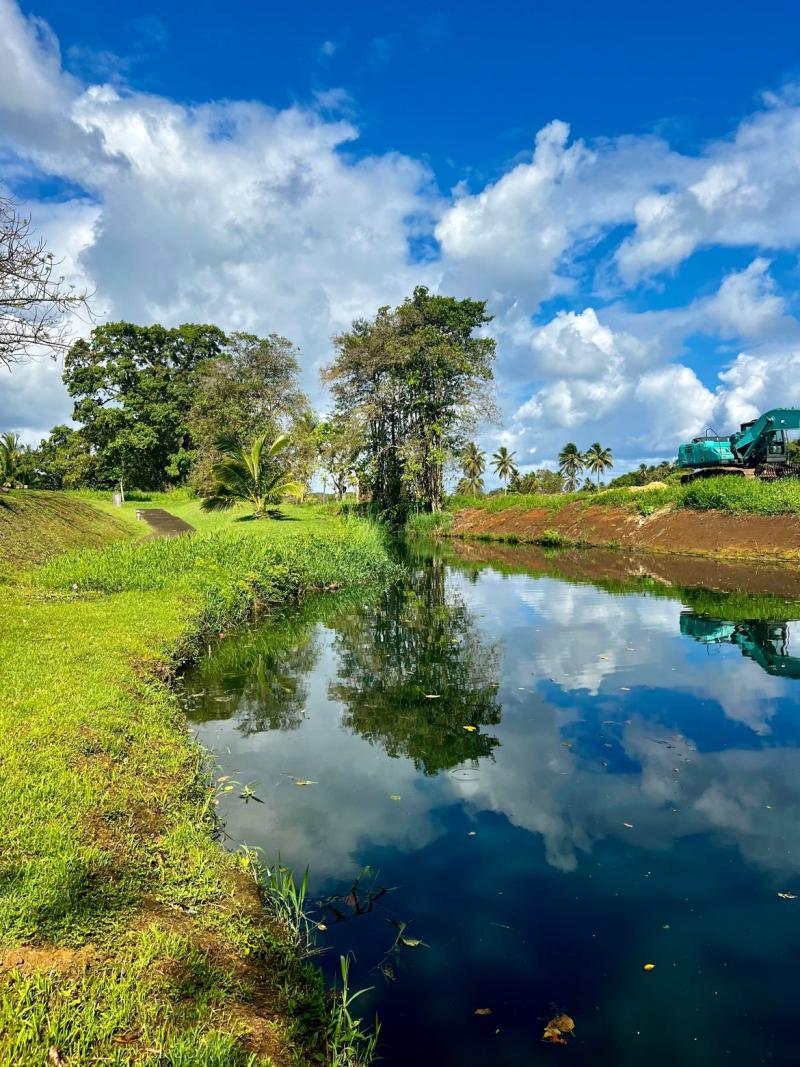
[{"x": 702, "y": 533}]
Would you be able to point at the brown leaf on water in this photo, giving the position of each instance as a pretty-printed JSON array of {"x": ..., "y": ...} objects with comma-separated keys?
[
  {"x": 483, "y": 1011},
  {"x": 556, "y": 1028}
]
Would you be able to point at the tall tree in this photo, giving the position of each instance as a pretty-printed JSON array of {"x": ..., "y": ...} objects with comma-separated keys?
[
  {"x": 34, "y": 298},
  {"x": 340, "y": 444},
  {"x": 570, "y": 463},
  {"x": 415, "y": 380},
  {"x": 598, "y": 460},
  {"x": 10, "y": 459},
  {"x": 250, "y": 387},
  {"x": 504, "y": 466},
  {"x": 133, "y": 387},
  {"x": 473, "y": 461}
]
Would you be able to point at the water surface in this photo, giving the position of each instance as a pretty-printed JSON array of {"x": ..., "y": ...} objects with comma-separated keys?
[{"x": 591, "y": 777}]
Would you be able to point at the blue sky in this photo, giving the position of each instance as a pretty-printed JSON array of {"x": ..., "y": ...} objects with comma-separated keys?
[{"x": 622, "y": 184}]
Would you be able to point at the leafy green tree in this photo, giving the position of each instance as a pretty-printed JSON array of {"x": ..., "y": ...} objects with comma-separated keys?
[
  {"x": 340, "y": 444},
  {"x": 250, "y": 387},
  {"x": 549, "y": 481},
  {"x": 133, "y": 387},
  {"x": 504, "y": 466},
  {"x": 416, "y": 380},
  {"x": 10, "y": 456},
  {"x": 253, "y": 474},
  {"x": 63, "y": 460},
  {"x": 598, "y": 460},
  {"x": 570, "y": 463},
  {"x": 524, "y": 483}
]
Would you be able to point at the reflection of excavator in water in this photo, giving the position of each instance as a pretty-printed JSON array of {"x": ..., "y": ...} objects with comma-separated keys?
[
  {"x": 765, "y": 642},
  {"x": 759, "y": 450}
]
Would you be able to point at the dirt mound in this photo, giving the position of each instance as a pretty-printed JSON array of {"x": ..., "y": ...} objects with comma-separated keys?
[{"x": 700, "y": 533}]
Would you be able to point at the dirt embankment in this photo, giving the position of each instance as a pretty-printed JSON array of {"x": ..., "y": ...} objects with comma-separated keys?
[{"x": 698, "y": 533}]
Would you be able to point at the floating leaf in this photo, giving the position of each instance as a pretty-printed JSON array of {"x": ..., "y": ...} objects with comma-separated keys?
[
  {"x": 433, "y": 696},
  {"x": 471, "y": 729},
  {"x": 483, "y": 1011},
  {"x": 322, "y": 926},
  {"x": 649, "y": 967},
  {"x": 412, "y": 942},
  {"x": 567, "y": 744},
  {"x": 395, "y": 796},
  {"x": 628, "y": 825},
  {"x": 556, "y": 1028},
  {"x": 788, "y": 896},
  {"x": 303, "y": 781},
  {"x": 471, "y": 833}
]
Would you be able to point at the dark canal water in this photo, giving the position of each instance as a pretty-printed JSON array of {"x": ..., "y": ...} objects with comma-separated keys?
[{"x": 592, "y": 776}]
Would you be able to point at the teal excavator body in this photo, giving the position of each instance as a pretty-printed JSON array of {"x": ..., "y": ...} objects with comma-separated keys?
[{"x": 760, "y": 448}]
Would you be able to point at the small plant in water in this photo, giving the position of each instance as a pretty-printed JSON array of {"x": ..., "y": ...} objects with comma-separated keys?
[{"x": 349, "y": 1043}]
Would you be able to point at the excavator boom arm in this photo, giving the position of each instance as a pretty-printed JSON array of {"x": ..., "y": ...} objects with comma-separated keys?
[{"x": 745, "y": 441}]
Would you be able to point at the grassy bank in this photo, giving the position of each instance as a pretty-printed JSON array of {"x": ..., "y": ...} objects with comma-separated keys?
[
  {"x": 34, "y": 526},
  {"x": 730, "y": 493},
  {"x": 129, "y": 936}
]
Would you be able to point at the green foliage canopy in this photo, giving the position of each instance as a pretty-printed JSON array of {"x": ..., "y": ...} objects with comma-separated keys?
[
  {"x": 414, "y": 380},
  {"x": 133, "y": 387}
]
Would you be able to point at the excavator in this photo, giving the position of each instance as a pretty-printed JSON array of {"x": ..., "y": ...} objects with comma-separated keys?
[
  {"x": 766, "y": 643},
  {"x": 760, "y": 449}
]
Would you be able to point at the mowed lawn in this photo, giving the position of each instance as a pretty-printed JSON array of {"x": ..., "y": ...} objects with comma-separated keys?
[{"x": 128, "y": 934}]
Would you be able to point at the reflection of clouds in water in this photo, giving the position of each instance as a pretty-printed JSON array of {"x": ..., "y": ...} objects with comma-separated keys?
[
  {"x": 349, "y": 807},
  {"x": 746, "y": 799},
  {"x": 580, "y": 638}
]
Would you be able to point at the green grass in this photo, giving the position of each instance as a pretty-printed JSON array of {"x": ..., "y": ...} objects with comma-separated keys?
[
  {"x": 729, "y": 493},
  {"x": 129, "y": 936},
  {"x": 34, "y": 526}
]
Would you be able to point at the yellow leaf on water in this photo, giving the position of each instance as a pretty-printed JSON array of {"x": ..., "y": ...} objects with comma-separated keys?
[
  {"x": 303, "y": 781},
  {"x": 556, "y": 1028},
  {"x": 321, "y": 926},
  {"x": 649, "y": 967},
  {"x": 394, "y": 796},
  {"x": 412, "y": 942},
  {"x": 471, "y": 729},
  {"x": 483, "y": 1011}
]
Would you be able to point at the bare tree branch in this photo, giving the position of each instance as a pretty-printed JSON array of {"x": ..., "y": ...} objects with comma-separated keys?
[{"x": 34, "y": 298}]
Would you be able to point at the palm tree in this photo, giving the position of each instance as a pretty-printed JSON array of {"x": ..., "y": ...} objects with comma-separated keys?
[
  {"x": 598, "y": 460},
  {"x": 570, "y": 463},
  {"x": 10, "y": 456},
  {"x": 504, "y": 465},
  {"x": 470, "y": 485},
  {"x": 250, "y": 473},
  {"x": 473, "y": 461}
]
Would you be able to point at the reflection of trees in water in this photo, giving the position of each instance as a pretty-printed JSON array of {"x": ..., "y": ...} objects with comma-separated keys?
[
  {"x": 258, "y": 678},
  {"x": 418, "y": 642}
]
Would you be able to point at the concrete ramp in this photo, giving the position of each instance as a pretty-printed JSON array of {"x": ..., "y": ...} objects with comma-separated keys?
[{"x": 162, "y": 523}]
